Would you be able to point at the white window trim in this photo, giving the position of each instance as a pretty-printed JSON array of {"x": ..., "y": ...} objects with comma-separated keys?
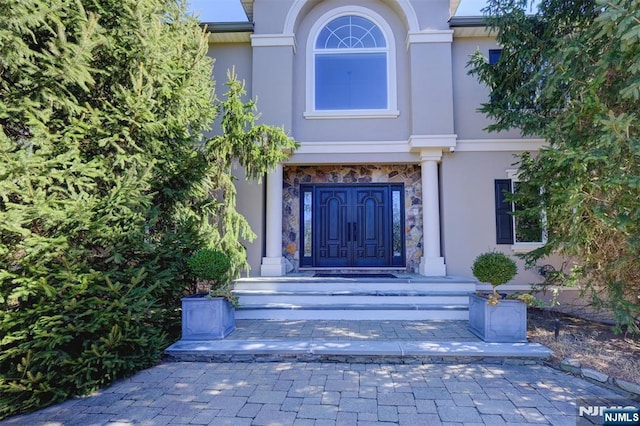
[
  {"x": 392, "y": 91},
  {"x": 517, "y": 247}
]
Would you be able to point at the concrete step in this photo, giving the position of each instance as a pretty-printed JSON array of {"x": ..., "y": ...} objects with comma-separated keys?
[
  {"x": 369, "y": 351},
  {"x": 349, "y": 298},
  {"x": 371, "y": 285},
  {"x": 310, "y": 298},
  {"x": 349, "y": 313}
]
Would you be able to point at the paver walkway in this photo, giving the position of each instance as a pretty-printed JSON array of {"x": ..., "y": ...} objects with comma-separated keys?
[
  {"x": 351, "y": 340},
  {"x": 431, "y": 330},
  {"x": 299, "y": 393},
  {"x": 409, "y": 391}
]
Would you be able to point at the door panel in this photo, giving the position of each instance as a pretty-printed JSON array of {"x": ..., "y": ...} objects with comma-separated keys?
[
  {"x": 352, "y": 226},
  {"x": 372, "y": 227},
  {"x": 332, "y": 219}
]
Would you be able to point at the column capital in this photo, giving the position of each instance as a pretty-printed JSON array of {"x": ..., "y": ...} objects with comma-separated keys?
[
  {"x": 431, "y": 154},
  {"x": 274, "y": 40},
  {"x": 430, "y": 36},
  {"x": 442, "y": 142}
]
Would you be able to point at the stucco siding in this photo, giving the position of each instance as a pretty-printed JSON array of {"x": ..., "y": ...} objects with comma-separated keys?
[
  {"x": 469, "y": 94},
  {"x": 269, "y": 15},
  {"x": 228, "y": 56},
  {"x": 432, "y": 110},
  {"x": 433, "y": 14},
  {"x": 251, "y": 204},
  {"x": 307, "y": 129},
  {"x": 272, "y": 76},
  {"x": 468, "y": 210}
]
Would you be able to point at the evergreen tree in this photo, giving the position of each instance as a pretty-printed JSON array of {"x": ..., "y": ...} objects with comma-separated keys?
[
  {"x": 254, "y": 147},
  {"x": 106, "y": 187},
  {"x": 569, "y": 73}
]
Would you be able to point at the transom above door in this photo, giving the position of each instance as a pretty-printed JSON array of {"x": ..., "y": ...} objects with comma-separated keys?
[{"x": 352, "y": 225}]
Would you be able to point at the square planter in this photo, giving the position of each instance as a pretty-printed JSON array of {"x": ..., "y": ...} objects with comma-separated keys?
[
  {"x": 505, "y": 322},
  {"x": 207, "y": 318}
]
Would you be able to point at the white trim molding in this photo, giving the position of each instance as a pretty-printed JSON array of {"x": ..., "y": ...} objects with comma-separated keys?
[
  {"x": 420, "y": 142},
  {"x": 495, "y": 145},
  {"x": 430, "y": 36},
  {"x": 273, "y": 40},
  {"x": 333, "y": 147},
  {"x": 350, "y": 113}
]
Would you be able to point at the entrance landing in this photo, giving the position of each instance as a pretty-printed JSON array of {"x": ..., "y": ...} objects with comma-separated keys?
[{"x": 366, "y": 341}]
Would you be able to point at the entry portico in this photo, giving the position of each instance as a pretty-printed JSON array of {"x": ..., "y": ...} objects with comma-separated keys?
[{"x": 418, "y": 216}]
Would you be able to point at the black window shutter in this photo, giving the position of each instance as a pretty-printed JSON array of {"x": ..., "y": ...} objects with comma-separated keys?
[{"x": 504, "y": 219}]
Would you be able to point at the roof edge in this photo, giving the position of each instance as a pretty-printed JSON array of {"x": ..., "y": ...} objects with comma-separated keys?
[
  {"x": 467, "y": 21},
  {"x": 227, "y": 27}
]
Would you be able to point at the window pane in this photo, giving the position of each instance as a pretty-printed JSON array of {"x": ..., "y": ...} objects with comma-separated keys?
[
  {"x": 397, "y": 224},
  {"x": 348, "y": 32},
  {"x": 307, "y": 224},
  {"x": 528, "y": 228},
  {"x": 351, "y": 81}
]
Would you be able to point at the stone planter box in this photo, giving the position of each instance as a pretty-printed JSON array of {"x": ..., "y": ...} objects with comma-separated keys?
[
  {"x": 505, "y": 322},
  {"x": 207, "y": 318}
]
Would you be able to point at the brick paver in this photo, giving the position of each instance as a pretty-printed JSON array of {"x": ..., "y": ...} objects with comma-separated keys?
[
  {"x": 352, "y": 330},
  {"x": 307, "y": 393}
]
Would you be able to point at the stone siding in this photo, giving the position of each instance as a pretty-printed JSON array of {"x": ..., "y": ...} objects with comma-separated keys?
[{"x": 409, "y": 174}]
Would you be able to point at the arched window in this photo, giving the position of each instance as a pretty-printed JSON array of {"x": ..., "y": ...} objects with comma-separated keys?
[{"x": 351, "y": 66}]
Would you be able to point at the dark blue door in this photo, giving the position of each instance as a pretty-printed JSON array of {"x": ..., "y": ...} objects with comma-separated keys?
[{"x": 352, "y": 226}]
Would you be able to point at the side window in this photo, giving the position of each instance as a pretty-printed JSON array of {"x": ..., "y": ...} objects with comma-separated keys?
[
  {"x": 494, "y": 56},
  {"x": 515, "y": 229}
]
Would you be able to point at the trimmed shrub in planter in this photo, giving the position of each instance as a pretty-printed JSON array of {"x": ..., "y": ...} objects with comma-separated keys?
[
  {"x": 206, "y": 318},
  {"x": 505, "y": 322},
  {"x": 490, "y": 318},
  {"x": 496, "y": 269},
  {"x": 209, "y": 315}
]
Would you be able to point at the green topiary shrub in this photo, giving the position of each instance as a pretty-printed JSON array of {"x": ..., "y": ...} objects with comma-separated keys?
[
  {"x": 212, "y": 268},
  {"x": 210, "y": 265},
  {"x": 494, "y": 268}
]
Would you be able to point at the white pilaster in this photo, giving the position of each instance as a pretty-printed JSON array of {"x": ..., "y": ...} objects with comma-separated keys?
[
  {"x": 273, "y": 264},
  {"x": 431, "y": 264}
]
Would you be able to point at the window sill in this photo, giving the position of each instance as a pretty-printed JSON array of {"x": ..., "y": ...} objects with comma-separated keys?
[
  {"x": 350, "y": 114},
  {"x": 525, "y": 247}
]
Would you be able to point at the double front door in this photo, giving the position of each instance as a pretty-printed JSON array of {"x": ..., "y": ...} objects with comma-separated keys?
[{"x": 354, "y": 225}]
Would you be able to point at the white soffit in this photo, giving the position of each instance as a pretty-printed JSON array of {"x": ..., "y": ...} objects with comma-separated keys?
[{"x": 229, "y": 38}]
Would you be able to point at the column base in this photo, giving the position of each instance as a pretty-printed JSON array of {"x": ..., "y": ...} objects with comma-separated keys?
[
  {"x": 273, "y": 267},
  {"x": 433, "y": 267}
]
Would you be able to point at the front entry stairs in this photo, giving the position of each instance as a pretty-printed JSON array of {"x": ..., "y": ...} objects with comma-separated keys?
[
  {"x": 406, "y": 297},
  {"x": 407, "y": 319}
]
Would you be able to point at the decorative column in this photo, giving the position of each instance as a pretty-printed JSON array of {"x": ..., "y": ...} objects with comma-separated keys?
[
  {"x": 431, "y": 264},
  {"x": 273, "y": 264}
]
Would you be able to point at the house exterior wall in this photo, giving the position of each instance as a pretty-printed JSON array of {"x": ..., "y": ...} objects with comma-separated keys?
[
  {"x": 437, "y": 121},
  {"x": 468, "y": 210},
  {"x": 469, "y": 94}
]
